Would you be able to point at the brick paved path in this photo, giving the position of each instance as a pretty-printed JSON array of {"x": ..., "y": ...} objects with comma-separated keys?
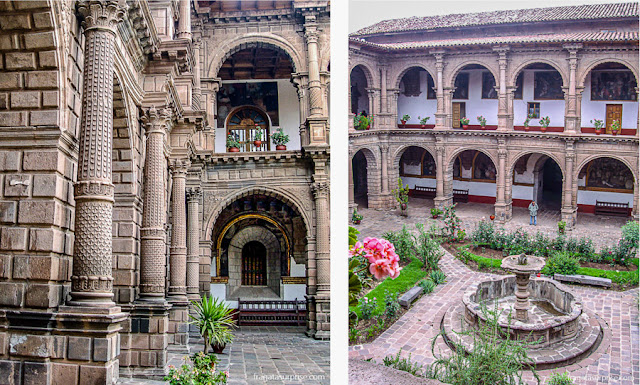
[
  {"x": 603, "y": 230},
  {"x": 615, "y": 362},
  {"x": 261, "y": 355}
]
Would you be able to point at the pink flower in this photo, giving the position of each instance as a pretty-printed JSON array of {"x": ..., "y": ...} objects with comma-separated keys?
[
  {"x": 226, "y": 373},
  {"x": 379, "y": 268}
]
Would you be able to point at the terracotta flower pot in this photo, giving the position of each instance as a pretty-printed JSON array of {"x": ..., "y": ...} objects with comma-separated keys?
[
  {"x": 356, "y": 222},
  {"x": 257, "y": 143},
  {"x": 483, "y": 127},
  {"x": 435, "y": 216},
  {"x": 492, "y": 217},
  {"x": 543, "y": 129},
  {"x": 598, "y": 131},
  {"x": 404, "y": 123},
  {"x": 217, "y": 349},
  {"x": 234, "y": 149},
  {"x": 614, "y": 132},
  {"x": 526, "y": 128},
  {"x": 465, "y": 126},
  {"x": 281, "y": 147},
  {"x": 423, "y": 126}
]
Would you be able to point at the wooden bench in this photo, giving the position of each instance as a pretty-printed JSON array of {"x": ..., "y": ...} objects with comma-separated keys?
[
  {"x": 424, "y": 192},
  {"x": 460, "y": 195},
  {"x": 272, "y": 312},
  {"x": 612, "y": 208}
]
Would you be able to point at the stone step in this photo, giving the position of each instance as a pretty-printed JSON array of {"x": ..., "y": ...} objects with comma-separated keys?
[
  {"x": 407, "y": 298},
  {"x": 583, "y": 279}
]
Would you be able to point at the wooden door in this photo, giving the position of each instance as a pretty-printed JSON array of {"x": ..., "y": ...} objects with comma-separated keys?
[
  {"x": 457, "y": 113},
  {"x": 254, "y": 264},
  {"x": 614, "y": 112}
]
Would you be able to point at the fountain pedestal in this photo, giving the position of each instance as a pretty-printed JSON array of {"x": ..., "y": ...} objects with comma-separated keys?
[{"x": 522, "y": 266}]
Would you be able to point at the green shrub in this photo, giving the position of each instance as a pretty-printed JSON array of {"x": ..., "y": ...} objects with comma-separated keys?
[
  {"x": 200, "y": 373},
  {"x": 485, "y": 233},
  {"x": 560, "y": 379},
  {"x": 403, "y": 242},
  {"x": 403, "y": 364},
  {"x": 483, "y": 264},
  {"x": 391, "y": 304},
  {"x": 438, "y": 277},
  {"x": 561, "y": 263},
  {"x": 427, "y": 285},
  {"x": 428, "y": 249},
  {"x": 367, "y": 306}
]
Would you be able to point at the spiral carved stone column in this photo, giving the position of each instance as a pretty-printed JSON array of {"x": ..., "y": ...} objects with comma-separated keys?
[
  {"x": 321, "y": 196},
  {"x": 193, "y": 243},
  {"x": 152, "y": 249},
  {"x": 178, "y": 250},
  {"x": 91, "y": 281}
]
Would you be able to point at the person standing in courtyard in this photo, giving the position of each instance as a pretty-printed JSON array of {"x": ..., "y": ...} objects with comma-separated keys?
[{"x": 533, "y": 213}]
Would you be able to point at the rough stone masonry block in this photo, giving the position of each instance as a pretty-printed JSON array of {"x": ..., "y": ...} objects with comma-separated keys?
[
  {"x": 5, "y": 266},
  {"x": 20, "y": 60},
  {"x": 10, "y": 372},
  {"x": 37, "y": 373},
  {"x": 30, "y": 345},
  {"x": 35, "y": 267},
  {"x": 10, "y": 80},
  {"x": 102, "y": 351},
  {"x": 79, "y": 348},
  {"x": 13, "y": 238},
  {"x": 25, "y": 99},
  {"x": 11, "y": 294},
  {"x": 43, "y": 212},
  {"x": 40, "y": 160},
  {"x": 17, "y": 185},
  {"x": 43, "y": 118},
  {"x": 40, "y": 40},
  {"x": 46, "y": 240},
  {"x": 42, "y": 79},
  {"x": 15, "y": 21},
  {"x": 43, "y": 296},
  {"x": 96, "y": 374},
  {"x": 8, "y": 212},
  {"x": 65, "y": 374},
  {"x": 13, "y": 119},
  {"x": 47, "y": 185},
  {"x": 9, "y": 160}
]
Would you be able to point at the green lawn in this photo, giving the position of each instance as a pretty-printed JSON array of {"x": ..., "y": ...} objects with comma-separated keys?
[{"x": 409, "y": 276}]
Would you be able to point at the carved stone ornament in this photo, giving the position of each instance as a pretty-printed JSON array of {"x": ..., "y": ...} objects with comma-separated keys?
[{"x": 101, "y": 14}]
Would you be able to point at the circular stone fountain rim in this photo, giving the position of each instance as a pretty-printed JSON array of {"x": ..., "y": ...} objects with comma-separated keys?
[
  {"x": 576, "y": 306},
  {"x": 534, "y": 264}
]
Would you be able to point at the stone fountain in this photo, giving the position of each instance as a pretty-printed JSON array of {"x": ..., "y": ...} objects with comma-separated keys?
[{"x": 540, "y": 311}]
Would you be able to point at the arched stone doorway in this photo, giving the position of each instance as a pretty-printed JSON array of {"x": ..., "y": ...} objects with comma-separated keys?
[
  {"x": 359, "y": 96},
  {"x": 605, "y": 179},
  {"x": 360, "y": 179},
  {"x": 417, "y": 169},
  {"x": 474, "y": 94},
  {"x": 473, "y": 177},
  {"x": 537, "y": 177}
]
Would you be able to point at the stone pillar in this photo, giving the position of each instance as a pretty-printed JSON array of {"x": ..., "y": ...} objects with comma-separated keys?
[
  {"x": 448, "y": 107},
  {"x": 373, "y": 111},
  {"x": 193, "y": 243},
  {"x": 300, "y": 83},
  {"x": 178, "y": 253},
  {"x": 320, "y": 190},
  {"x": 197, "y": 89},
  {"x": 315, "y": 91},
  {"x": 500, "y": 206},
  {"x": 91, "y": 280},
  {"x": 441, "y": 199},
  {"x": 393, "y": 107},
  {"x": 383, "y": 89},
  {"x": 636, "y": 202},
  {"x": 441, "y": 116},
  {"x": 184, "y": 20},
  {"x": 510, "y": 92},
  {"x": 569, "y": 212},
  {"x": 503, "y": 111},
  {"x": 384, "y": 150},
  {"x": 571, "y": 113},
  {"x": 352, "y": 199},
  {"x": 638, "y": 122}
]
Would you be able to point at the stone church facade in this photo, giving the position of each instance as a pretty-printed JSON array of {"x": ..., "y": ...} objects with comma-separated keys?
[
  {"x": 120, "y": 202},
  {"x": 573, "y": 64}
]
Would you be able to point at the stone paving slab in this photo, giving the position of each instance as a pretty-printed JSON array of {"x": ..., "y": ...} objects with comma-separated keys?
[
  {"x": 265, "y": 355},
  {"x": 617, "y": 361}
]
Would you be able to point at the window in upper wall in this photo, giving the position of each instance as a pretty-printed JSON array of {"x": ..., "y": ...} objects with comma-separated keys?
[{"x": 533, "y": 110}]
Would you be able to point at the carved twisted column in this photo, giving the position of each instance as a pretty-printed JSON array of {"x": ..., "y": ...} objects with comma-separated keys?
[
  {"x": 500, "y": 206},
  {"x": 193, "y": 243},
  {"x": 91, "y": 280},
  {"x": 441, "y": 115},
  {"x": 503, "y": 110},
  {"x": 184, "y": 21},
  {"x": 383, "y": 90},
  {"x": 323, "y": 273},
  {"x": 315, "y": 91},
  {"x": 568, "y": 210},
  {"x": 178, "y": 249},
  {"x": 152, "y": 243},
  {"x": 571, "y": 113}
]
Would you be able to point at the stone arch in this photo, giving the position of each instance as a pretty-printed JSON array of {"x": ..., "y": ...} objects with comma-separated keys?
[
  {"x": 409, "y": 66},
  {"x": 452, "y": 158},
  {"x": 373, "y": 171},
  {"x": 251, "y": 40},
  {"x": 368, "y": 73},
  {"x": 554, "y": 156},
  {"x": 295, "y": 202},
  {"x": 624, "y": 161},
  {"x": 449, "y": 82},
  {"x": 514, "y": 75},
  {"x": 582, "y": 76},
  {"x": 397, "y": 156}
]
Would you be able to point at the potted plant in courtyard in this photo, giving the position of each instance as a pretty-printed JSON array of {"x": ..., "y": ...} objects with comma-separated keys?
[
  {"x": 362, "y": 122},
  {"x": 405, "y": 118},
  {"x": 232, "y": 143},
  {"x": 280, "y": 139},
  {"x": 492, "y": 217},
  {"x": 423, "y": 122},
  {"x": 483, "y": 121},
  {"x": 435, "y": 212},
  {"x": 526, "y": 122},
  {"x": 465, "y": 122},
  {"x": 544, "y": 123},
  {"x": 402, "y": 197},
  {"x": 615, "y": 127},
  {"x": 257, "y": 137},
  {"x": 356, "y": 218},
  {"x": 598, "y": 124},
  {"x": 213, "y": 318},
  {"x": 561, "y": 226}
]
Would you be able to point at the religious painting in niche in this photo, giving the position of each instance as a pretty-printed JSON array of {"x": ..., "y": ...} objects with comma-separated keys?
[
  {"x": 483, "y": 168},
  {"x": 410, "y": 161},
  {"x": 431, "y": 93},
  {"x": 428, "y": 165},
  {"x": 608, "y": 85},
  {"x": 263, "y": 95},
  {"x": 609, "y": 174},
  {"x": 411, "y": 81},
  {"x": 489, "y": 86},
  {"x": 547, "y": 86},
  {"x": 517, "y": 94},
  {"x": 462, "y": 86}
]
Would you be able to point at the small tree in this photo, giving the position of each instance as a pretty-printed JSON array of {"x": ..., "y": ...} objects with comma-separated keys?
[
  {"x": 402, "y": 196},
  {"x": 451, "y": 222}
]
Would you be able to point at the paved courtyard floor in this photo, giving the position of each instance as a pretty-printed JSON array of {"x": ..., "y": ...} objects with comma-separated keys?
[
  {"x": 603, "y": 230},
  {"x": 616, "y": 361},
  {"x": 265, "y": 355}
]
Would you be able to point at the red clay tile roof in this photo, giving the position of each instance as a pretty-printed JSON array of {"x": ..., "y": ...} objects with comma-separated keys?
[
  {"x": 554, "y": 38},
  {"x": 579, "y": 12}
]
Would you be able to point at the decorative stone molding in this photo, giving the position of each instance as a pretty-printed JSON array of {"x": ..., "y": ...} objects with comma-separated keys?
[{"x": 103, "y": 15}]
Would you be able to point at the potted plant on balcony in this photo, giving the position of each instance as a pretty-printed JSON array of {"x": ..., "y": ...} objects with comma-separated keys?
[
  {"x": 280, "y": 139},
  {"x": 544, "y": 123},
  {"x": 435, "y": 212},
  {"x": 362, "y": 122},
  {"x": 213, "y": 318},
  {"x": 483, "y": 122},
  {"x": 615, "y": 127},
  {"x": 356, "y": 218},
  {"x": 232, "y": 143},
  {"x": 423, "y": 122},
  {"x": 405, "y": 118},
  {"x": 257, "y": 137},
  {"x": 598, "y": 124},
  {"x": 465, "y": 122},
  {"x": 526, "y": 122}
]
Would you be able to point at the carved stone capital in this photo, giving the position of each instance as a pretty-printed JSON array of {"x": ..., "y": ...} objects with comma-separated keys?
[
  {"x": 156, "y": 121},
  {"x": 194, "y": 194},
  {"x": 100, "y": 14},
  {"x": 179, "y": 167},
  {"x": 320, "y": 189}
]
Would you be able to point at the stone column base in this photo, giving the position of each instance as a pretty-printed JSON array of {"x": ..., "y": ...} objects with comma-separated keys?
[
  {"x": 502, "y": 212},
  {"x": 570, "y": 217},
  {"x": 144, "y": 346},
  {"x": 178, "y": 327},
  {"x": 323, "y": 317},
  {"x": 441, "y": 202}
]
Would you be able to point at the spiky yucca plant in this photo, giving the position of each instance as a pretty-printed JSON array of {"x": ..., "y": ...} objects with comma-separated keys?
[{"x": 213, "y": 319}]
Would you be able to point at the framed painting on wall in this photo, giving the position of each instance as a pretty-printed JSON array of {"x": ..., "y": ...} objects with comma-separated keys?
[
  {"x": 462, "y": 86},
  {"x": 609, "y": 85},
  {"x": 489, "y": 86},
  {"x": 431, "y": 92},
  {"x": 547, "y": 85},
  {"x": 517, "y": 94}
]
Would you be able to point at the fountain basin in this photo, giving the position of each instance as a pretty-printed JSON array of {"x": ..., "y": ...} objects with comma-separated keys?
[{"x": 554, "y": 316}]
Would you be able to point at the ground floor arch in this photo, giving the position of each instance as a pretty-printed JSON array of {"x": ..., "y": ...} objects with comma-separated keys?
[
  {"x": 359, "y": 96},
  {"x": 606, "y": 179},
  {"x": 365, "y": 174}
]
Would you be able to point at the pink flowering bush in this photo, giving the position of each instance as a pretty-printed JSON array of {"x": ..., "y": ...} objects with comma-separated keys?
[{"x": 203, "y": 371}]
